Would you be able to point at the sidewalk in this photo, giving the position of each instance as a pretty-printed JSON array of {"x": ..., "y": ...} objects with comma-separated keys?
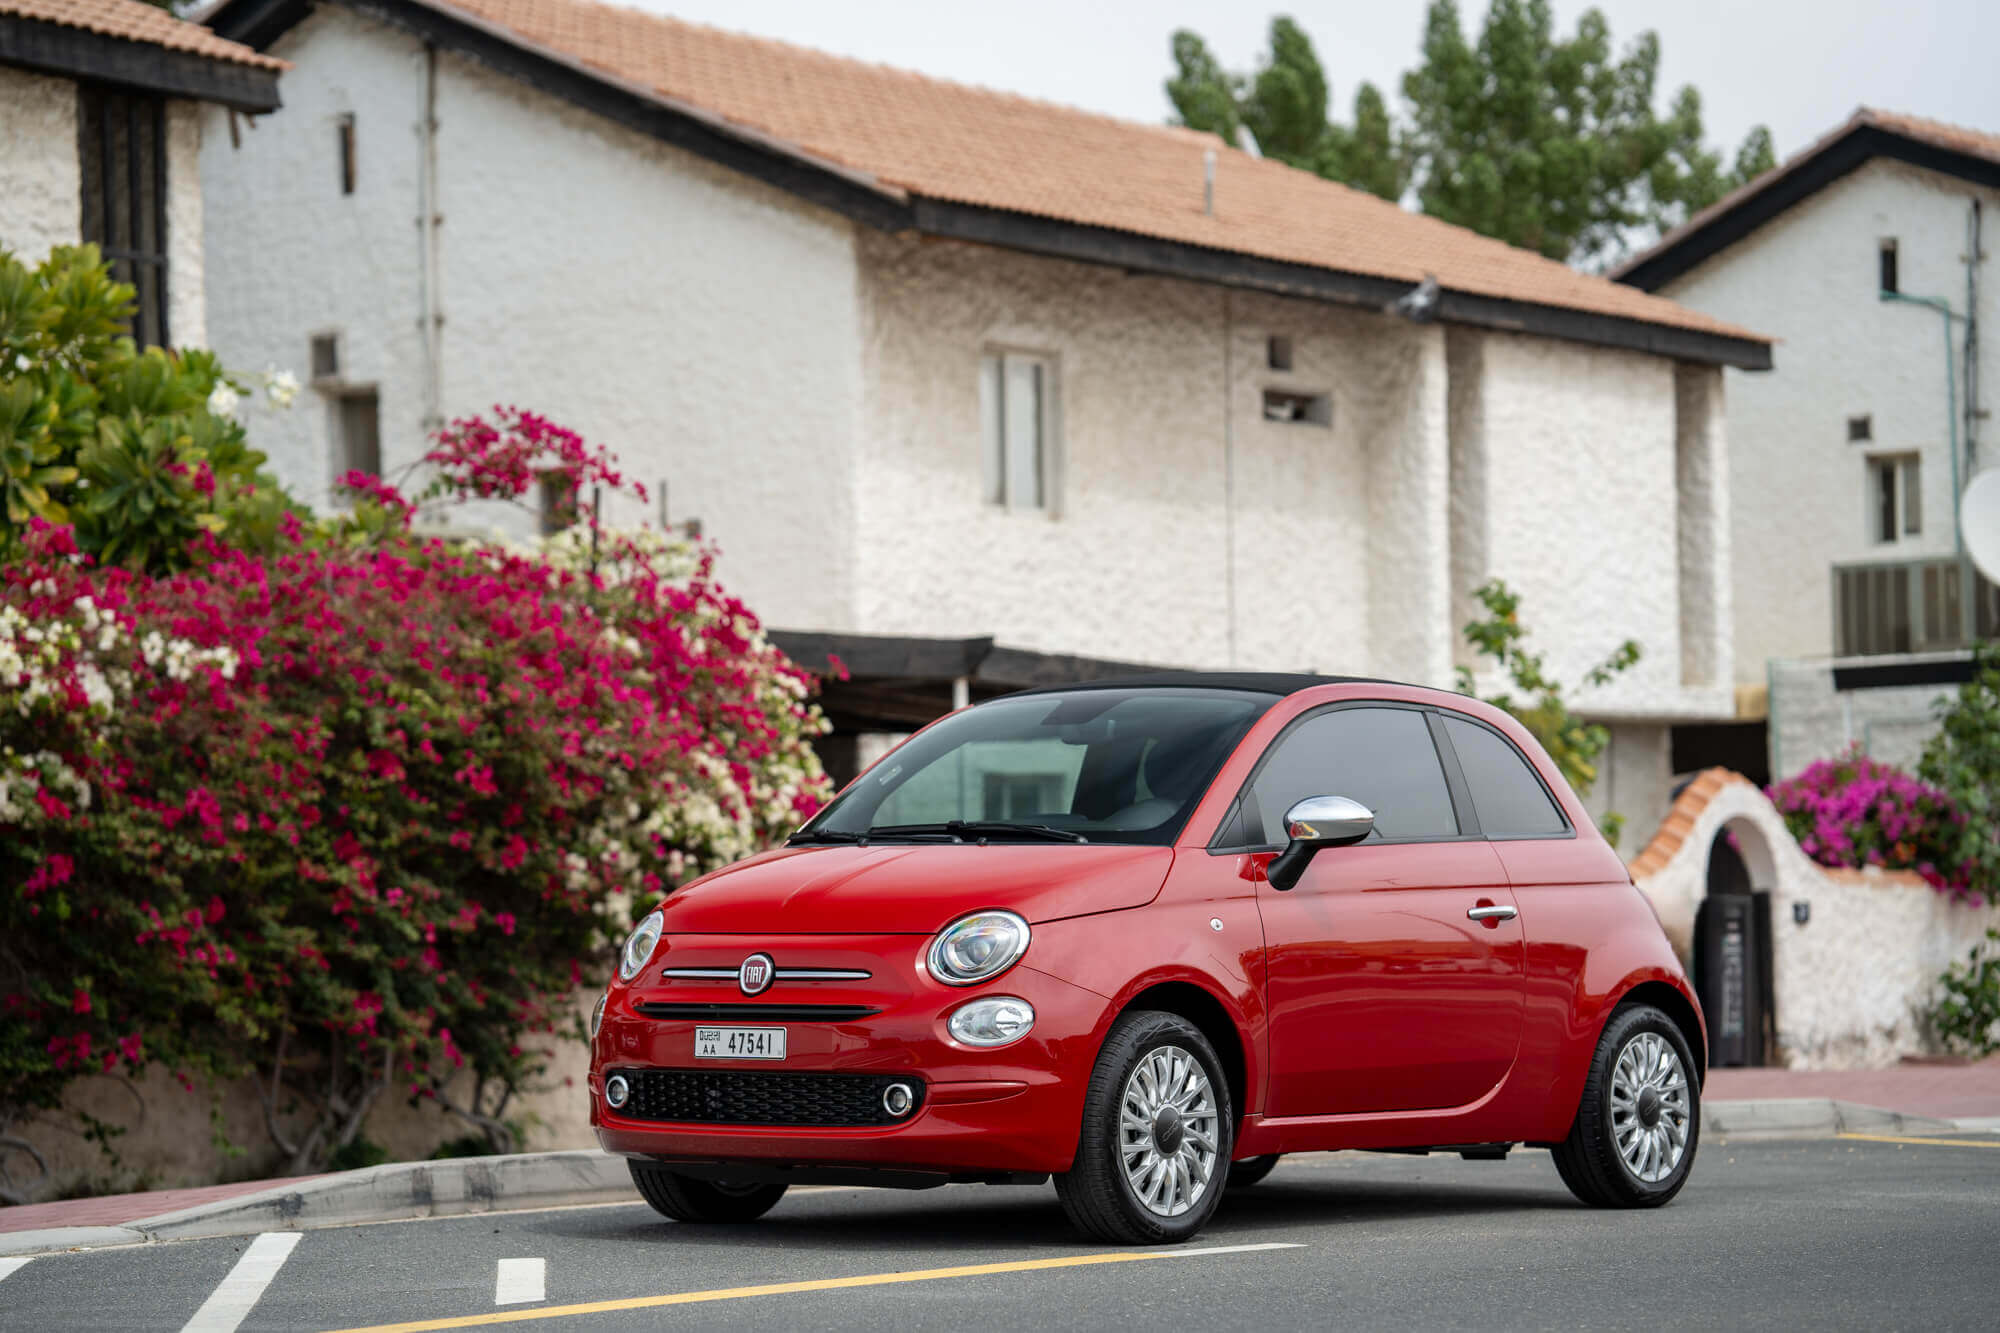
[
  {"x": 1911, "y": 1098},
  {"x": 1937, "y": 1092}
]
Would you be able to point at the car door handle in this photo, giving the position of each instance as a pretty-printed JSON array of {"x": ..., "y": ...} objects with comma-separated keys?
[{"x": 1492, "y": 913}]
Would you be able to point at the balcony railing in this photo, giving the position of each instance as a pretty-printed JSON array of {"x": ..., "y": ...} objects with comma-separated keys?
[{"x": 1910, "y": 606}]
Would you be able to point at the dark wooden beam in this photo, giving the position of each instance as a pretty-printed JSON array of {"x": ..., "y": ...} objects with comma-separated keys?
[{"x": 72, "y": 53}]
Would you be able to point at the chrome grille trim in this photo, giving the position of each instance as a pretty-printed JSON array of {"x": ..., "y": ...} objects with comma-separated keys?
[{"x": 782, "y": 974}]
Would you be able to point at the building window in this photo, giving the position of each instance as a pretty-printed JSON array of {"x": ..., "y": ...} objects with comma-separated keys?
[
  {"x": 1859, "y": 429},
  {"x": 1278, "y": 352},
  {"x": 357, "y": 430},
  {"x": 1017, "y": 392},
  {"x": 559, "y": 502},
  {"x": 1887, "y": 277},
  {"x": 346, "y": 133},
  {"x": 122, "y": 154},
  {"x": 1307, "y": 409},
  {"x": 1895, "y": 497}
]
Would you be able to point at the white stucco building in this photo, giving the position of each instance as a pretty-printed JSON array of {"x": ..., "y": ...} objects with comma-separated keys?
[
  {"x": 973, "y": 390},
  {"x": 100, "y": 140},
  {"x": 1865, "y": 256}
]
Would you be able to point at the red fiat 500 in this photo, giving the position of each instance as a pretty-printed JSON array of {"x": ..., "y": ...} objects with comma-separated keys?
[{"x": 1145, "y": 937}]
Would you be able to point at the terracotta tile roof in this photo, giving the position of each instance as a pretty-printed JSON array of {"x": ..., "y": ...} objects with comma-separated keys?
[
  {"x": 1687, "y": 808},
  {"x": 1934, "y": 133},
  {"x": 139, "y": 22},
  {"x": 961, "y": 144}
]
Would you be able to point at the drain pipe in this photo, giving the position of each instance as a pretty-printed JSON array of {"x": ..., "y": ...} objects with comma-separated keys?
[
  {"x": 431, "y": 320},
  {"x": 1973, "y": 259},
  {"x": 1943, "y": 307}
]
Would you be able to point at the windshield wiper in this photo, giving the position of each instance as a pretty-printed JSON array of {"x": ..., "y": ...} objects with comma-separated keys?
[
  {"x": 842, "y": 838},
  {"x": 991, "y": 827}
]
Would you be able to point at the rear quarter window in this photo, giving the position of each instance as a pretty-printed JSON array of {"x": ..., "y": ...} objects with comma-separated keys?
[{"x": 1507, "y": 795}]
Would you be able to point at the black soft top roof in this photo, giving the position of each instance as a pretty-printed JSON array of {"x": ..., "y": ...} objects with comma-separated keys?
[{"x": 1262, "y": 682}]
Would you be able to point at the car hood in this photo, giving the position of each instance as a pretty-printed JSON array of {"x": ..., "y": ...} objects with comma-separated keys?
[{"x": 904, "y": 889}]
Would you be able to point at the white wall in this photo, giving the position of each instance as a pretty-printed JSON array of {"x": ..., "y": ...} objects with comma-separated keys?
[
  {"x": 39, "y": 189},
  {"x": 1160, "y": 381},
  {"x": 1568, "y": 485},
  {"x": 704, "y": 327},
  {"x": 187, "y": 298},
  {"x": 1799, "y": 492},
  {"x": 1810, "y": 720},
  {"x": 1851, "y": 982}
]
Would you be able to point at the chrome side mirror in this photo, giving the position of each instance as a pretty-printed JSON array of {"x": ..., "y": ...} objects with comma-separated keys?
[{"x": 1313, "y": 823}]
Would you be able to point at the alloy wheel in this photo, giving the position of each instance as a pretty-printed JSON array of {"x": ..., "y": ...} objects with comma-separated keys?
[
  {"x": 1168, "y": 1131},
  {"x": 1649, "y": 1107}
]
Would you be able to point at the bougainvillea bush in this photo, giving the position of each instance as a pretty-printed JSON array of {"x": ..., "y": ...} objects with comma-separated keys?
[
  {"x": 1857, "y": 811},
  {"x": 362, "y": 812}
]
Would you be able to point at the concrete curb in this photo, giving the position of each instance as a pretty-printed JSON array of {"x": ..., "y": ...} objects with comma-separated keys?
[
  {"x": 398, "y": 1191},
  {"x": 1810, "y": 1118},
  {"x": 52, "y": 1239}
]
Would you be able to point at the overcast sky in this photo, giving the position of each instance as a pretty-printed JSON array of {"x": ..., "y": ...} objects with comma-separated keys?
[{"x": 1799, "y": 66}]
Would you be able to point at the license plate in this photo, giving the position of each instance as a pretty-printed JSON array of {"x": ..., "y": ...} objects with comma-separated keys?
[{"x": 739, "y": 1043}]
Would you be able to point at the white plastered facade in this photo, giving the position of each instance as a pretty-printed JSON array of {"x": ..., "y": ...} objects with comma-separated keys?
[{"x": 1799, "y": 487}]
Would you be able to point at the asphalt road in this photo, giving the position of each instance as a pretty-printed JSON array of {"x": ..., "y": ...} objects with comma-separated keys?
[{"x": 1829, "y": 1234}]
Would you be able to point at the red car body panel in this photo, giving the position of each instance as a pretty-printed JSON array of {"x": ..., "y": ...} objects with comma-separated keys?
[{"x": 1360, "y": 1009}]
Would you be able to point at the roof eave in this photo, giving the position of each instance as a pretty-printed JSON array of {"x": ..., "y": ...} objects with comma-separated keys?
[
  {"x": 1841, "y": 153},
  {"x": 76, "y": 53},
  {"x": 860, "y": 197}
]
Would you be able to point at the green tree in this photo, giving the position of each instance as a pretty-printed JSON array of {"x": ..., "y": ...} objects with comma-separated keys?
[
  {"x": 1548, "y": 142},
  {"x": 1963, "y": 760},
  {"x": 1284, "y": 105},
  {"x": 1536, "y": 698}
]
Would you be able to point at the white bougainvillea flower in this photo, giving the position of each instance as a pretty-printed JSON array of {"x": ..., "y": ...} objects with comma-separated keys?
[
  {"x": 222, "y": 401},
  {"x": 281, "y": 387}
]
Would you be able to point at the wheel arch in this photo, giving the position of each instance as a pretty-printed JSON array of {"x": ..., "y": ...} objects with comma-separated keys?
[
  {"x": 1202, "y": 1008},
  {"x": 1669, "y": 1000}
]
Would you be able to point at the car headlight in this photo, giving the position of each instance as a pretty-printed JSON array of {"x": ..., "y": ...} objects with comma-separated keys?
[
  {"x": 977, "y": 948},
  {"x": 992, "y": 1020},
  {"x": 639, "y": 946},
  {"x": 597, "y": 1014}
]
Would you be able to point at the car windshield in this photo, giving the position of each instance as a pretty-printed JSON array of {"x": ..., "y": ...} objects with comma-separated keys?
[{"x": 1109, "y": 765}]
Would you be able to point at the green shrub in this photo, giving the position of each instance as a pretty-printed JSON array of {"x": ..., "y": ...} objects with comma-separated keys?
[
  {"x": 1967, "y": 1015},
  {"x": 1963, "y": 760},
  {"x": 140, "y": 451}
]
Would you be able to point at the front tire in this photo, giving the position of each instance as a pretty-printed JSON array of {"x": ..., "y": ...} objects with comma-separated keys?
[
  {"x": 685, "y": 1199},
  {"x": 1636, "y": 1129},
  {"x": 1153, "y": 1154}
]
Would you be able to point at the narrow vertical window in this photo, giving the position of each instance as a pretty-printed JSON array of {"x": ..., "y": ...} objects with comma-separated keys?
[
  {"x": 1017, "y": 411},
  {"x": 122, "y": 160},
  {"x": 1887, "y": 275},
  {"x": 1278, "y": 352},
  {"x": 559, "y": 502},
  {"x": 1883, "y": 472},
  {"x": 1911, "y": 479},
  {"x": 358, "y": 426},
  {"x": 346, "y": 133}
]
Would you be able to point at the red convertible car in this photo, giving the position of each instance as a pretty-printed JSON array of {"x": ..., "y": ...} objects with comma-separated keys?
[{"x": 1146, "y": 936}]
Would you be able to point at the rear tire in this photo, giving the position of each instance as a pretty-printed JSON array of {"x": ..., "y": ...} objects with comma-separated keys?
[
  {"x": 1244, "y": 1174},
  {"x": 1153, "y": 1153},
  {"x": 1639, "y": 1122},
  {"x": 685, "y": 1199}
]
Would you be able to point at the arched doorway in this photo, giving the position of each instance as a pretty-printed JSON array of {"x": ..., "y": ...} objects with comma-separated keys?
[{"x": 1732, "y": 949}]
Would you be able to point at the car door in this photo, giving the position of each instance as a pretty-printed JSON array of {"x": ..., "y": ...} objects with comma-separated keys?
[{"x": 1383, "y": 993}]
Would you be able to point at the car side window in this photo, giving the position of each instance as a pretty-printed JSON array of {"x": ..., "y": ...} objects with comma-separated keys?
[
  {"x": 1508, "y": 798},
  {"x": 1381, "y": 757}
]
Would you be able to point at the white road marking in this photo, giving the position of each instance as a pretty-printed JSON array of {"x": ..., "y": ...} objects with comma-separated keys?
[
  {"x": 1228, "y": 1249},
  {"x": 519, "y": 1280},
  {"x": 232, "y": 1302},
  {"x": 8, "y": 1267}
]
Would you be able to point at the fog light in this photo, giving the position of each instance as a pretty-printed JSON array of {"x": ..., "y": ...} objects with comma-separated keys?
[
  {"x": 993, "y": 1021},
  {"x": 616, "y": 1091},
  {"x": 898, "y": 1098}
]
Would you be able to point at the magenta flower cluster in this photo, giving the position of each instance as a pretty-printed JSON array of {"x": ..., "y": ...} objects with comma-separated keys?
[{"x": 1857, "y": 811}]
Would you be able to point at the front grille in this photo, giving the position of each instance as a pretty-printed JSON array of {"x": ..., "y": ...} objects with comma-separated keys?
[
  {"x": 756, "y": 1013},
  {"x": 733, "y": 1097}
]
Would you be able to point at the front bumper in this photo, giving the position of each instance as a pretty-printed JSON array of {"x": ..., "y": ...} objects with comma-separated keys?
[{"x": 1015, "y": 1109}]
